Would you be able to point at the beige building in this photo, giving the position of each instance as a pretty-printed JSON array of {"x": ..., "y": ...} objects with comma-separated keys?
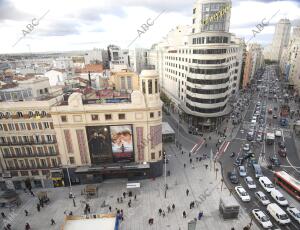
[
  {"x": 118, "y": 136},
  {"x": 29, "y": 154},
  {"x": 124, "y": 80}
]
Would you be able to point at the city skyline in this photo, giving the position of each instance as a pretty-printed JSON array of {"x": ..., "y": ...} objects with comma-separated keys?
[{"x": 99, "y": 24}]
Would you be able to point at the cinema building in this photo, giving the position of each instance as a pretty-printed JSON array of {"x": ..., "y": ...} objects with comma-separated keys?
[{"x": 111, "y": 133}]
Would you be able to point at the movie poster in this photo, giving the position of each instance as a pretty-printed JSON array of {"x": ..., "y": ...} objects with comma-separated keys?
[
  {"x": 99, "y": 144},
  {"x": 122, "y": 143}
]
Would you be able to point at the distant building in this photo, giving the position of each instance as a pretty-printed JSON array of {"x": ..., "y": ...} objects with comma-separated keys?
[
  {"x": 56, "y": 77},
  {"x": 118, "y": 56}
]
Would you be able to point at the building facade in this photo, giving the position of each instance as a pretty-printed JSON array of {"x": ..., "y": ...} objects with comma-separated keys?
[
  {"x": 200, "y": 65},
  {"x": 102, "y": 138}
]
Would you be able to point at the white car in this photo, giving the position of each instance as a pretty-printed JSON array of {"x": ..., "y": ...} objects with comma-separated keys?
[
  {"x": 278, "y": 133},
  {"x": 250, "y": 182},
  {"x": 262, "y": 198},
  {"x": 294, "y": 212},
  {"x": 246, "y": 147},
  {"x": 242, "y": 193},
  {"x": 262, "y": 218},
  {"x": 279, "y": 198},
  {"x": 242, "y": 171},
  {"x": 266, "y": 183}
]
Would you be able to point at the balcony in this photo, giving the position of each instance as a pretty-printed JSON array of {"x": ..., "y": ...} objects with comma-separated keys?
[
  {"x": 32, "y": 168},
  {"x": 31, "y": 155},
  {"x": 27, "y": 143}
]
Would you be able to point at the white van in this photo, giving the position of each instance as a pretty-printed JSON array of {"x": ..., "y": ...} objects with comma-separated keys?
[
  {"x": 266, "y": 183},
  {"x": 278, "y": 214},
  {"x": 279, "y": 198}
]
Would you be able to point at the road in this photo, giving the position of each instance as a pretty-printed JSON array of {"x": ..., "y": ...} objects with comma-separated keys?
[{"x": 261, "y": 149}]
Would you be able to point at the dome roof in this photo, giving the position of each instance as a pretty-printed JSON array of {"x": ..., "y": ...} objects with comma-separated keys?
[{"x": 148, "y": 73}]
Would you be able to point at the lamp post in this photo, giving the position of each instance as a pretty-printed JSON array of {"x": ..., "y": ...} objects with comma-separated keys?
[
  {"x": 166, "y": 186},
  {"x": 70, "y": 183}
]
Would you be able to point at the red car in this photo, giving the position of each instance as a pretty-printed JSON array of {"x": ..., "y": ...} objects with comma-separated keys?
[{"x": 282, "y": 152}]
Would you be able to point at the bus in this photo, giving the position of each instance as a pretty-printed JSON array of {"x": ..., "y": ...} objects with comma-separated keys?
[{"x": 288, "y": 183}]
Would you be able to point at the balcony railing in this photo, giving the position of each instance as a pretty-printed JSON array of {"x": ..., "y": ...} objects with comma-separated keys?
[
  {"x": 31, "y": 155},
  {"x": 10, "y": 143},
  {"x": 32, "y": 168}
]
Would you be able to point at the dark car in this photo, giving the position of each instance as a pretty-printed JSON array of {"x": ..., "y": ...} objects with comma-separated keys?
[
  {"x": 249, "y": 155},
  {"x": 239, "y": 161},
  {"x": 274, "y": 161},
  {"x": 252, "y": 161},
  {"x": 282, "y": 152},
  {"x": 233, "y": 177},
  {"x": 281, "y": 144}
]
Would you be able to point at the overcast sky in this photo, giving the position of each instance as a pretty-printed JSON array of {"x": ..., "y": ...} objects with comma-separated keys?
[{"x": 86, "y": 24}]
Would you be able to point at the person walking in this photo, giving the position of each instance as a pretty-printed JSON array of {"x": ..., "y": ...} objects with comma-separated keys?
[
  {"x": 187, "y": 192},
  {"x": 173, "y": 207},
  {"x": 8, "y": 226},
  {"x": 163, "y": 213},
  {"x": 109, "y": 208},
  {"x": 118, "y": 200},
  {"x": 26, "y": 212},
  {"x": 53, "y": 221},
  {"x": 159, "y": 211},
  {"x": 184, "y": 214},
  {"x": 169, "y": 208},
  {"x": 3, "y": 215},
  {"x": 124, "y": 195},
  {"x": 38, "y": 207},
  {"x": 184, "y": 165},
  {"x": 27, "y": 226},
  {"x": 191, "y": 160},
  {"x": 151, "y": 221},
  {"x": 200, "y": 214},
  {"x": 206, "y": 166}
]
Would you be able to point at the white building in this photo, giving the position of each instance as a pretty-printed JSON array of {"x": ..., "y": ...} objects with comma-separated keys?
[
  {"x": 94, "y": 56},
  {"x": 118, "y": 56},
  {"x": 138, "y": 59},
  {"x": 63, "y": 63},
  {"x": 280, "y": 40},
  {"x": 56, "y": 77},
  {"x": 200, "y": 65}
]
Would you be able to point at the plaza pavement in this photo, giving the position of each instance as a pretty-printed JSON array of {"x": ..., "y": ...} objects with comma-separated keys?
[{"x": 150, "y": 197}]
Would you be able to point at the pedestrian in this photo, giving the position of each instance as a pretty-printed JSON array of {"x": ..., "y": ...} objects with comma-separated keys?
[
  {"x": 189, "y": 154},
  {"x": 3, "y": 215},
  {"x": 182, "y": 152},
  {"x": 200, "y": 215},
  {"x": 151, "y": 221},
  {"x": 52, "y": 222},
  {"x": 74, "y": 203},
  {"x": 200, "y": 158},
  {"x": 191, "y": 160},
  {"x": 27, "y": 226},
  {"x": 31, "y": 193},
  {"x": 184, "y": 165},
  {"x": 38, "y": 207},
  {"x": 122, "y": 215},
  {"x": 135, "y": 197},
  {"x": 184, "y": 214},
  {"x": 109, "y": 208},
  {"x": 8, "y": 226},
  {"x": 206, "y": 166},
  {"x": 71, "y": 213},
  {"x": 163, "y": 213},
  {"x": 124, "y": 195},
  {"x": 169, "y": 208},
  {"x": 232, "y": 228},
  {"x": 159, "y": 211},
  {"x": 173, "y": 207},
  {"x": 187, "y": 192},
  {"x": 118, "y": 200},
  {"x": 26, "y": 212}
]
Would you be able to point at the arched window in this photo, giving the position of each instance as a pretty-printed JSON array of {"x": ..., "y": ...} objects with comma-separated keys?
[
  {"x": 7, "y": 115},
  {"x": 30, "y": 113},
  {"x": 19, "y": 114},
  {"x": 43, "y": 114},
  {"x": 1, "y": 115}
]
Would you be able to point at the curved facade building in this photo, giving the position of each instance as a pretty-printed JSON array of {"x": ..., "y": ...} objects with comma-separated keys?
[{"x": 201, "y": 73}]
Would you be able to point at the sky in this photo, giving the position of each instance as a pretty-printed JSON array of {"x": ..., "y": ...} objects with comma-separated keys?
[{"x": 67, "y": 25}]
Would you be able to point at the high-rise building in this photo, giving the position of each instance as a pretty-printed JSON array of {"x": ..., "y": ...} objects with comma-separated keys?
[
  {"x": 200, "y": 65},
  {"x": 280, "y": 40}
]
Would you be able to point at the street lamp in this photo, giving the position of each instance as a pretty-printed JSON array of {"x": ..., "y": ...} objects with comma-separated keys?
[
  {"x": 166, "y": 186},
  {"x": 70, "y": 183}
]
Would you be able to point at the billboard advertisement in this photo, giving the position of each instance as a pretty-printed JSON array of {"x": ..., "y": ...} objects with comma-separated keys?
[
  {"x": 122, "y": 143},
  {"x": 108, "y": 144}
]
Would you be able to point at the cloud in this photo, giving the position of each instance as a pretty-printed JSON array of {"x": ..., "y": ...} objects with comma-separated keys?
[
  {"x": 9, "y": 12},
  {"x": 60, "y": 29}
]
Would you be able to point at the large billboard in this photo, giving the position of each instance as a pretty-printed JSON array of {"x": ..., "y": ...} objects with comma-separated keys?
[
  {"x": 122, "y": 142},
  {"x": 109, "y": 144}
]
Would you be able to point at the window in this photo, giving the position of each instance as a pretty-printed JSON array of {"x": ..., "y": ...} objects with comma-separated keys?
[
  {"x": 11, "y": 126},
  {"x": 19, "y": 114},
  {"x": 150, "y": 86},
  {"x": 107, "y": 116},
  {"x": 32, "y": 163},
  {"x": 22, "y": 164},
  {"x": 37, "y": 138},
  {"x": 1, "y": 115},
  {"x": 46, "y": 90},
  {"x": 29, "y": 151},
  {"x": 51, "y": 150},
  {"x": 123, "y": 83},
  {"x": 72, "y": 160},
  {"x": 40, "y": 150},
  {"x": 43, "y": 114},
  {"x": 22, "y": 126},
  {"x": 129, "y": 83},
  {"x": 144, "y": 86},
  {"x": 151, "y": 114},
  {"x": 14, "y": 139},
  {"x": 95, "y": 117},
  {"x": 24, "y": 173},
  {"x": 152, "y": 156},
  {"x": 159, "y": 113},
  {"x": 121, "y": 116},
  {"x": 10, "y": 164},
  {"x": 7, "y": 115},
  {"x": 46, "y": 125},
  {"x": 156, "y": 86},
  {"x": 54, "y": 162},
  {"x": 159, "y": 154},
  {"x": 49, "y": 138},
  {"x": 26, "y": 139},
  {"x": 194, "y": 10},
  {"x": 1, "y": 127},
  {"x": 63, "y": 118},
  {"x": 43, "y": 163},
  {"x": 6, "y": 151},
  {"x": 37, "y": 113},
  {"x": 34, "y": 125},
  {"x": 30, "y": 114}
]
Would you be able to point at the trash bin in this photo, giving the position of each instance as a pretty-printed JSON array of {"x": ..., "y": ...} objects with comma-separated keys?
[{"x": 229, "y": 207}]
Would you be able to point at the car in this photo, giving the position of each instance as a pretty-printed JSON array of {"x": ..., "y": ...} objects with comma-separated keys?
[
  {"x": 274, "y": 160},
  {"x": 242, "y": 193},
  {"x": 246, "y": 147},
  {"x": 262, "y": 218},
  {"x": 248, "y": 155},
  {"x": 239, "y": 161},
  {"x": 274, "y": 116},
  {"x": 279, "y": 198},
  {"x": 282, "y": 152},
  {"x": 294, "y": 212},
  {"x": 266, "y": 183},
  {"x": 278, "y": 133},
  {"x": 233, "y": 177},
  {"x": 262, "y": 198},
  {"x": 278, "y": 214},
  {"x": 281, "y": 144},
  {"x": 270, "y": 111},
  {"x": 250, "y": 182},
  {"x": 259, "y": 137},
  {"x": 242, "y": 171}
]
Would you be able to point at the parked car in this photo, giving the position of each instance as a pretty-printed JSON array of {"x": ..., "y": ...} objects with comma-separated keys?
[
  {"x": 242, "y": 171},
  {"x": 262, "y": 198},
  {"x": 246, "y": 147},
  {"x": 242, "y": 193},
  {"x": 294, "y": 212},
  {"x": 259, "y": 137},
  {"x": 233, "y": 177},
  {"x": 274, "y": 116},
  {"x": 239, "y": 161},
  {"x": 282, "y": 152},
  {"x": 281, "y": 144},
  {"x": 262, "y": 218},
  {"x": 274, "y": 160},
  {"x": 250, "y": 182}
]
